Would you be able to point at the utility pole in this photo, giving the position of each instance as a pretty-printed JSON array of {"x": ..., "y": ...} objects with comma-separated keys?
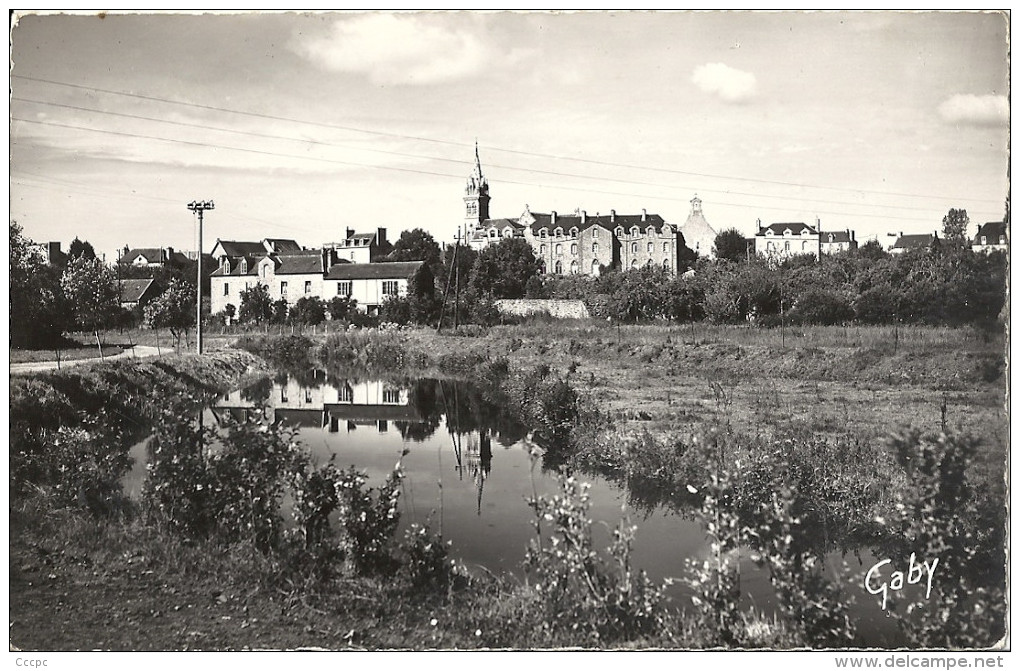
[{"x": 199, "y": 207}]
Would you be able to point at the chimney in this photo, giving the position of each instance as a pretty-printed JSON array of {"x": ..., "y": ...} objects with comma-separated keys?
[
  {"x": 612, "y": 216},
  {"x": 644, "y": 214},
  {"x": 584, "y": 216},
  {"x": 853, "y": 235},
  {"x": 381, "y": 236},
  {"x": 350, "y": 234},
  {"x": 553, "y": 217},
  {"x": 759, "y": 223},
  {"x": 169, "y": 254}
]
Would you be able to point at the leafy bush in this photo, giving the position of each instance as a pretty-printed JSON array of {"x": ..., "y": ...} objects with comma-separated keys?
[
  {"x": 582, "y": 592},
  {"x": 368, "y": 522},
  {"x": 424, "y": 561},
  {"x": 939, "y": 516}
]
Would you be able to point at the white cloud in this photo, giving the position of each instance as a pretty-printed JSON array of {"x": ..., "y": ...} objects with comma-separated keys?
[
  {"x": 967, "y": 109},
  {"x": 728, "y": 83},
  {"x": 401, "y": 49}
]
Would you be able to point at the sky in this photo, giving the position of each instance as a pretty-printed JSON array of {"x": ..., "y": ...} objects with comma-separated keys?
[{"x": 302, "y": 125}]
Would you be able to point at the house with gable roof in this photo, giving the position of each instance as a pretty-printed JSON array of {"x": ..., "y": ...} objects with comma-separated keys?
[
  {"x": 783, "y": 240},
  {"x": 992, "y": 236}
]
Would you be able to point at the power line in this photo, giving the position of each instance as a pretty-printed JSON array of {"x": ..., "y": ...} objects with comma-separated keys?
[
  {"x": 536, "y": 171},
  {"x": 430, "y": 173},
  {"x": 491, "y": 148}
]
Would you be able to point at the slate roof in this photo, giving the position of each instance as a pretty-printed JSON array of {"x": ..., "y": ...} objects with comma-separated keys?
[
  {"x": 568, "y": 221},
  {"x": 151, "y": 254},
  {"x": 298, "y": 264},
  {"x": 132, "y": 291},
  {"x": 835, "y": 236},
  {"x": 283, "y": 246},
  {"x": 234, "y": 267},
  {"x": 394, "y": 270},
  {"x": 992, "y": 230},
  {"x": 914, "y": 241},
  {"x": 241, "y": 248},
  {"x": 795, "y": 227}
]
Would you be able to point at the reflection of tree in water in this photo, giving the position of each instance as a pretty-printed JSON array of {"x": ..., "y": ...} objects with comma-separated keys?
[{"x": 470, "y": 408}]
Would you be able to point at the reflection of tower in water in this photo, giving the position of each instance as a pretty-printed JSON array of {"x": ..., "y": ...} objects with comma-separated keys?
[{"x": 479, "y": 460}]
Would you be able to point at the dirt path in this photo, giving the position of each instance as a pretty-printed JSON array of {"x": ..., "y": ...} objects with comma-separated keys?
[{"x": 136, "y": 352}]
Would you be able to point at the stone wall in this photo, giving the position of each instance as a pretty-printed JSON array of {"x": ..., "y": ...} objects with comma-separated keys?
[{"x": 563, "y": 309}]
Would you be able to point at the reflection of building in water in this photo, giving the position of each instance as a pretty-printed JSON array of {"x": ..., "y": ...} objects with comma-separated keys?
[{"x": 317, "y": 401}]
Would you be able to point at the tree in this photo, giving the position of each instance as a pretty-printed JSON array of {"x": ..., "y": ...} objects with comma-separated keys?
[
  {"x": 730, "y": 245},
  {"x": 308, "y": 310},
  {"x": 280, "y": 310},
  {"x": 954, "y": 226},
  {"x": 341, "y": 307},
  {"x": 418, "y": 245},
  {"x": 173, "y": 309},
  {"x": 80, "y": 249},
  {"x": 503, "y": 270},
  {"x": 90, "y": 288},
  {"x": 256, "y": 305},
  {"x": 466, "y": 257},
  {"x": 38, "y": 313}
]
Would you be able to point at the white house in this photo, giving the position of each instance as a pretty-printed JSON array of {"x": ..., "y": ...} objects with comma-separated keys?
[{"x": 779, "y": 241}]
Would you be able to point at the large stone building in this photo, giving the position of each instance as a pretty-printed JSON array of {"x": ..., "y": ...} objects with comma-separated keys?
[{"x": 578, "y": 243}]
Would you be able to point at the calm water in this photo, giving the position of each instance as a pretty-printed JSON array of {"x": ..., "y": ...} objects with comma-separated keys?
[{"x": 469, "y": 472}]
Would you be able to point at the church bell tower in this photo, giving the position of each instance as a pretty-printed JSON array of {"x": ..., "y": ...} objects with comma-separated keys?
[{"x": 476, "y": 197}]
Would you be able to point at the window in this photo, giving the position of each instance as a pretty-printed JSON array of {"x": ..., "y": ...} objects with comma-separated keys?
[
  {"x": 594, "y": 248},
  {"x": 508, "y": 232},
  {"x": 559, "y": 249},
  {"x": 665, "y": 248},
  {"x": 492, "y": 232},
  {"x": 543, "y": 233},
  {"x": 573, "y": 249},
  {"x": 665, "y": 264},
  {"x": 308, "y": 394},
  {"x": 633, "y": 247},
  {"x": 226, "y": 289},
  {"x": 594, "y": 267},
  {"x": 619, "y": 231},
  {"x": 573, "y": 267},
  {"x": 391, "y": 396},
  {"x": 768, "y": 246},
  {"x": 283, "y": 394},
  {"x": 345, "y": 394},
  {"x": 573, "y": 233},
  {"x": 787, "y": 245},
  {"x": 308, "y": 286},
  {"x": 389, "y": 287},
  {"x": 651, "y": 231},
  {"x": 559, "y": 267},
  {"x": 542, "y": 248},
  {"x": 343, "y": 288},
  {"x": 1002, "y": 239},
  {"x": 635, "y": 231},
  {"x": 633, "y": 263},
  {"x": 651, "y": 247},
  {"x": 244, "y": 266},
  {"x": 595, "y": 233},
  {"x": 352, "y": 255},
  {"x": 283, "y": 288},
  {"x": 984, "y": 240},
  {"x": 558, "y": 232}
]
